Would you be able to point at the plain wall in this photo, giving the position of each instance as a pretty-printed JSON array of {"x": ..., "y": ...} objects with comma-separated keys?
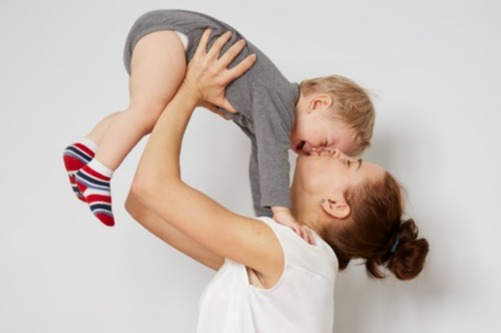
[{"x": 433, "y": 68}]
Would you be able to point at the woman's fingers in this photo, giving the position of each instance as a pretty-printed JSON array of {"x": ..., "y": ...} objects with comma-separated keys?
[
  {"x": 218, "y": 45},
  {"x": 202, "y": 44},
  {"x": 230, "y": 75},
  {"x": 213, "y": 108},
  {"x": 232, "y": 52},
  {"x": 225, "y": 60},
  {"x": 242, "y": 67},
  {"x": 207, "y": 75}
]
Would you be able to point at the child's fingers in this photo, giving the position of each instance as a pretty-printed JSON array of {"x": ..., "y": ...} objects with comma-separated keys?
[
  {"x": 305, "y": 233},
  {"x": 309, "y": 236}
]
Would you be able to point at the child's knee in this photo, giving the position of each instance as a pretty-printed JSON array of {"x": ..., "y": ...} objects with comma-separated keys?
[{"x": 146, "y": 116}]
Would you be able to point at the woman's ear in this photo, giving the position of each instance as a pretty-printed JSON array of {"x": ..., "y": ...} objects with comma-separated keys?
[
  {"x": 320, "y": 101},
  {"x": 338, "y": 208}
]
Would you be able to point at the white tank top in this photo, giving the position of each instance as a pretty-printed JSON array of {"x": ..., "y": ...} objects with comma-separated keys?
[{"x": 302, "y": 301}]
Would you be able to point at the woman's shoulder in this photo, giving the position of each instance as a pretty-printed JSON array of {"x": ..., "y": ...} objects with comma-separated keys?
[{"x": 316, "y": 259}]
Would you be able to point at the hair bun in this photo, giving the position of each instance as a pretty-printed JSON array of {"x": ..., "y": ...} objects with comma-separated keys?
[{"x": 409, "y": 256}]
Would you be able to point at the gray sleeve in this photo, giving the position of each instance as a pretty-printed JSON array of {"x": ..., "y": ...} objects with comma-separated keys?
[
  {"x": 270, "y": 167},
  {"x": 259, "y": 210}
]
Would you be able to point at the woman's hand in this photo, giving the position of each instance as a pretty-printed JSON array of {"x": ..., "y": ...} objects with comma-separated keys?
[{"x": 208, "y": 74}]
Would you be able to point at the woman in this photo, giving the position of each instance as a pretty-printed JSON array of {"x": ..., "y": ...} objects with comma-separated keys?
[{"x": 269, "y": 279}]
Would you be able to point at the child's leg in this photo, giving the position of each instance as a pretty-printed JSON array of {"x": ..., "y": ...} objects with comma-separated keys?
[
  {"x": 78, "y": 154},
  {"x": 157, "y": 69}
]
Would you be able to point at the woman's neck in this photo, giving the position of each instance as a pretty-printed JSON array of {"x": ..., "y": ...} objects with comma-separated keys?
[{"x": 308, "y": 214}]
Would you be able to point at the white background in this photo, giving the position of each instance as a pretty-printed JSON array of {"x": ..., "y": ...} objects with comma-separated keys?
[{"x": 433, "y": 67}]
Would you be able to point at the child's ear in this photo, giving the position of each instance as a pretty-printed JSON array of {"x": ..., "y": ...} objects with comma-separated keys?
[
  {"x": 320, "y": 101},
  {"x": 338, "y": 208}
]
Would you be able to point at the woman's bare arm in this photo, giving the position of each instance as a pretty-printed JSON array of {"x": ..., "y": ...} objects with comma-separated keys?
[
  {"x": 159, "y": 187},
  {"x": 172, "y": 236}
]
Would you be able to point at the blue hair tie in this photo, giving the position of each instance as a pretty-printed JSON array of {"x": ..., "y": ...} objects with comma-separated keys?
[{"x": 394, "y": 247}]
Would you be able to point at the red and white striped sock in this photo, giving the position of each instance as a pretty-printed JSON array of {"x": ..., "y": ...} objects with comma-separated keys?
[
  {"x": 93, "y": 181},
  {"x": 76, "y": 156}
]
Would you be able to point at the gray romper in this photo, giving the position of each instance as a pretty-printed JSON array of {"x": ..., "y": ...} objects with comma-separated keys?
[{"x": 264, "y": 98}]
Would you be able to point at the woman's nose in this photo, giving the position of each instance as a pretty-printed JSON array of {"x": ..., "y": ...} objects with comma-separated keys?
[
  {"x": 332, "y": 152},
  {"x": 336, "y": 153},
  {"x": 321, "y": 151},
  {"x": 340, "y": 155}
]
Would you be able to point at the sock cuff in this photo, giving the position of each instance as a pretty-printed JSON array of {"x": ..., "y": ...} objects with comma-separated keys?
[
  {"x": 89, "y": 144},
  {"x": 100, "y": 167}
]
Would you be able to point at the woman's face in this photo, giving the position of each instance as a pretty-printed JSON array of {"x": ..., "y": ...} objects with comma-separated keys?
[{"x": 325, "y": 173}]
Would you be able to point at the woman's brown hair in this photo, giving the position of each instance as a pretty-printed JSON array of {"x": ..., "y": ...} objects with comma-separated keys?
[{"x": 377, "y": 233}]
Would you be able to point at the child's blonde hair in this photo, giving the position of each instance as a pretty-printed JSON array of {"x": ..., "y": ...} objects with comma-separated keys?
[{"x": 351, "y": 103}]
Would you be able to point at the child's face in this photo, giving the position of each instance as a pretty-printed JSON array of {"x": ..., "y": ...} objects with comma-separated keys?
[{"x": 320, "y": 130}]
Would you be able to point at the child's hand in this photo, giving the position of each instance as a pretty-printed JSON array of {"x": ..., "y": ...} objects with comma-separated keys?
[{"x": 284, "y": 216}]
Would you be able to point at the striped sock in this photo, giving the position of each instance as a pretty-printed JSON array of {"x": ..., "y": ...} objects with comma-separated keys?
[
  {"x": 75, "y": 156},
  {"x": 93, "y": 181}
]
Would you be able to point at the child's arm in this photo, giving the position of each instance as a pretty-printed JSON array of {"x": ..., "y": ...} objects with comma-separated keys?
[{"x": 284, "y": 216}]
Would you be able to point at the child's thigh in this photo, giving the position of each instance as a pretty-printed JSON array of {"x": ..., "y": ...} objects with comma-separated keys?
[{"x": 158, "y": 66}]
